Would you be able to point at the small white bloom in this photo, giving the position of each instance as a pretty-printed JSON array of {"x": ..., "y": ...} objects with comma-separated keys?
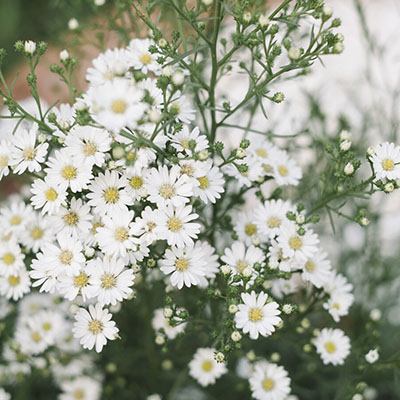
[
  {"x": 29, "y": 47},
  {"x": 332, "y": 345},
  {"x": 386, "y": 161},
  {"x": 372, "y": 356}
]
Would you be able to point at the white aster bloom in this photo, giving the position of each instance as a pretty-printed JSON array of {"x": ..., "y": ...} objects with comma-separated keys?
[
  {"x": 4, "y": 395},
  {"x": 135, "y": 178},
  {"x": 70, "y": 286},
  {"x": 146, "y": 225},
  {"x": 11, "y": 258},
  {"x": 141, "y": 57},
  {"x": 204, "y": 368},
  {"x": 185, "y": 265},
  {"x": 65, "y": 118},
  {"x": 317, "y": 270},
  {"x": 110, "y": 282},
  {"x": 269, "y": 381},
  {"x": 16, "y": 285},
  {"x": 47, "y": 196},
  {"x": 338, "y": 304},
  {"x": 6, "y": 149},
  {"x": 82, "y": 388},
  {"x": 210, "y": 184},
  {"x": 372, "y": 356},
  {"x": 94, "y": 327},
  {"x": 38, "y": 231},
  {"x": 332, "y": 345},
  {"x": 14, "y": 218},
  {"x": 27, "y": 154},
  {"x": 176, "y": 226},
  {"x": 257, "y": 317},
  {"x": 189, "y": 141},
  {"x": 386, "y": 161},
  {"x": 246, "y": 228},
  {"x": 182, "y": 109},
  {"x": 285, "y": 170}
]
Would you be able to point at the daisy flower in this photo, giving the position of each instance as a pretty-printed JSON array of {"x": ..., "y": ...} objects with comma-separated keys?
[
  {"x": 135, "y": 178},
  {"x": 299, "y": 247},
  {"x": 47, "y": 196},
  {"x": 175, "y": 226},
  {"x": 80, "y": 388},
  {"x": 210, "y": 185},
  {"x": 66, "y": 171},
  {"x": 162, "y": 324},
  {"x": 332, "y": 345},
  {"x": 116, "y": 104},
  {"x": 210, "y": 260},
  {"x": 3, "y": 394},
  {"x": 13, "y": 219},
  {"x": 146, "y": 225},
  {"x": 269, "y": 382},
  {"x": 257, "y": 317},
  {"x": 204, "y": 368},
  {"x": 87, "y": 143},
  {"x": 44, "y": 274},
  {"x": 65, "y": 118},
  {"x": 238, "y": 257},
  {"x": 182, "y": 109},
  {"x": 285, "y": 170},
  {"x": 271, "y": 217},
  {"x": 317, "y": 270},
  {"x": 94, "y": 327},
  {"x": 31, "y": 340},
  {"x": 189, "y": 142},
  {"x": 74, "y": 220},
  {"x": 338, "y": 304},
  {"x": 38, "y": 231},
  {"x": 11, "y": 258},
  {"x": 107, "y": 193},
  {"x": 110, "y": 281},
  {"x": 246, "y": 228},
  {"x": 26, "y": 155},
  {"x": 386, "y": 161},
  {"x": 168, "y": 187},
  {"x": 141, "y": 58},
  {"x": 185, "y": 265},
  {"x": 6, "y": 149},
  {"x": 16, "y": 285},
  {"x": 70, "y": 286},
  {"x": 111, "y": 64}
]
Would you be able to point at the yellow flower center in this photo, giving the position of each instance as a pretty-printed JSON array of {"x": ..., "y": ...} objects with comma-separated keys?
[
  {"x": 255, "y": 314},
  {"x": 14, "y": 280},
  {"x": 330, "y": 347},
  {"x": 136, "y": 182},
  {"x": 37, "y": 233},
  {"x": 121, "y": 234},
  {"x": 71, "y": 218},
  {"x": 36, "y": 337},
  {"x": 4, "y": 161},
  {"x": 95, "y": 226},
  {"x": 66, "y": 257},
  {"x": 262, "y": 152},
  {"x": 151, "y": 225},
  {"x": 79, "y": 394},
  {"x": 167, "y": 191},
  {"x": 273, "y": 222},
  {"x": 388, "y": 164},
  {"x": 310, "y": 266},
  {"x": 187, "y": 169},
  {"x": 111, "y": 195},
  {"x": 69, "y": 172},
  {"x": 268, "y": 384},
  {"x": 145, "y": 58},
  {"x": 283, "y": 171},
  {"x": 131, "y": 156},
  {"x": 119, "y": 106},
  {"x": 174, "y": 224},
  {"x": 8, "y": 259},
  {"x": 47, "y": 326},
  {"x": 89, "y": 149},
  {"x": 95, "y": 327},
  {"x": 295, "y": 242},
  {"x": 15, "y": 220},
  {"x": 51, "y": 194},
  {"x": 29, "y": 154},
  {"x": 108, "y": 281},
  {"x": 267, "y": 168},
  {"x": 185, "y": 143},
  {"x": 207, "y": 365},
  {"x": 182, "y": 264},
  {"x": 250, "y": 229},
  {"x": 204, "y": 182},
  {"x": 241, "y": 265},
  {"x": 81, "y": 280}
]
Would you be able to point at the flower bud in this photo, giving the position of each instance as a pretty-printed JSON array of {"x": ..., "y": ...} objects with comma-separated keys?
[
  {"x": 263, "y": 20},
  {"x": 64, "y": 55},
  {"x": 233, "y": 309},
  {"x": 219, "y": 357},
  {"x": 287, "y": 308},
  {"x": 168, "y": 312},
  {"x": 294, "y": 53},
  {"x": 236, "y": 336},
  {"x": 345, "y": 145},
  {"x": 73, "y": 24},
  {"x": 160, "y": 340},
  {"x": 99, "y": 3},
  {"x": 225, "y": 269},
  {"x": 349, "y": 169},
  {"x": 247, "y": 17},
  {"x": 178, "y": 78},
  {"x": 389, "y": 187},
  {"x": 375, "y": 314},
  {"x": 29, "y": 47},
  {"x": 240, "y": 153},
  {"x": 372, "y": 356}
]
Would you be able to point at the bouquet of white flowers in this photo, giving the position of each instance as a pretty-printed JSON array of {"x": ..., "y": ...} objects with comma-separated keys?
[{"x": 163, "y": 189}]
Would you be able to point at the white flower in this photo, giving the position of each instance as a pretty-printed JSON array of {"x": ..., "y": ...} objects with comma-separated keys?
[
  {"x": 4, "y": 395},
  {"x": 332, "y": 345},
  {"x": 142, "y": 58},
  {"x": 182, "y": 109},
  {"x": 317, "y": 270},
  {"x": 168, "y": 187},
  {"x": 116, "y": 104},
  {"x": 67, "y": 172},
  {"x": 145, "y": 226},
  {"x": 11, "y": 258},
  {"x": 47, "y": 196},
  {"x": 16, "y": 285},
  {"x": 74, "y": 220},
  {"x": 271, "y": 217},
  {"x": 204, "y": 368},
  {"x": 175, "y": 226},
  {"x": 269, "y": 381},
  {"x": 13, "y": 219},
  {"x": 372, "y": 356},
  {"x": 38, "y": 231},
  {"x": 107, "y": 194},
  {"x": 65, "y": 118},
  {"x": 338, "y": 304},
  {"x": 189, "y": 142},
  {"x": 110, "y": 282},
  {"x": 161, "y": 323},
  {"x": 294, "y": 245},
  {"x": 6, "y": 149},
  {"x": 246, "y": 228},
  {"x": 386, "y": 161},
  {"x": 239, "y": 257},
  {"x": 244, "y": 177},
  {"x": 29, "y": 46},
  {"x": 135, "y": 178},
  {"x": 87, "y": 143},
  {"x": 255, "y": 316},
  {"x": 185, "y": 265},
  {"x": 70, "y": 286},
  {"x": 210, "y": 185},
  {"x": 82, "y": 388},
  {"x": 26, "y": 155},
  {"x": 94, "y": 327},
  {"x": 285, "y": 170}
]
